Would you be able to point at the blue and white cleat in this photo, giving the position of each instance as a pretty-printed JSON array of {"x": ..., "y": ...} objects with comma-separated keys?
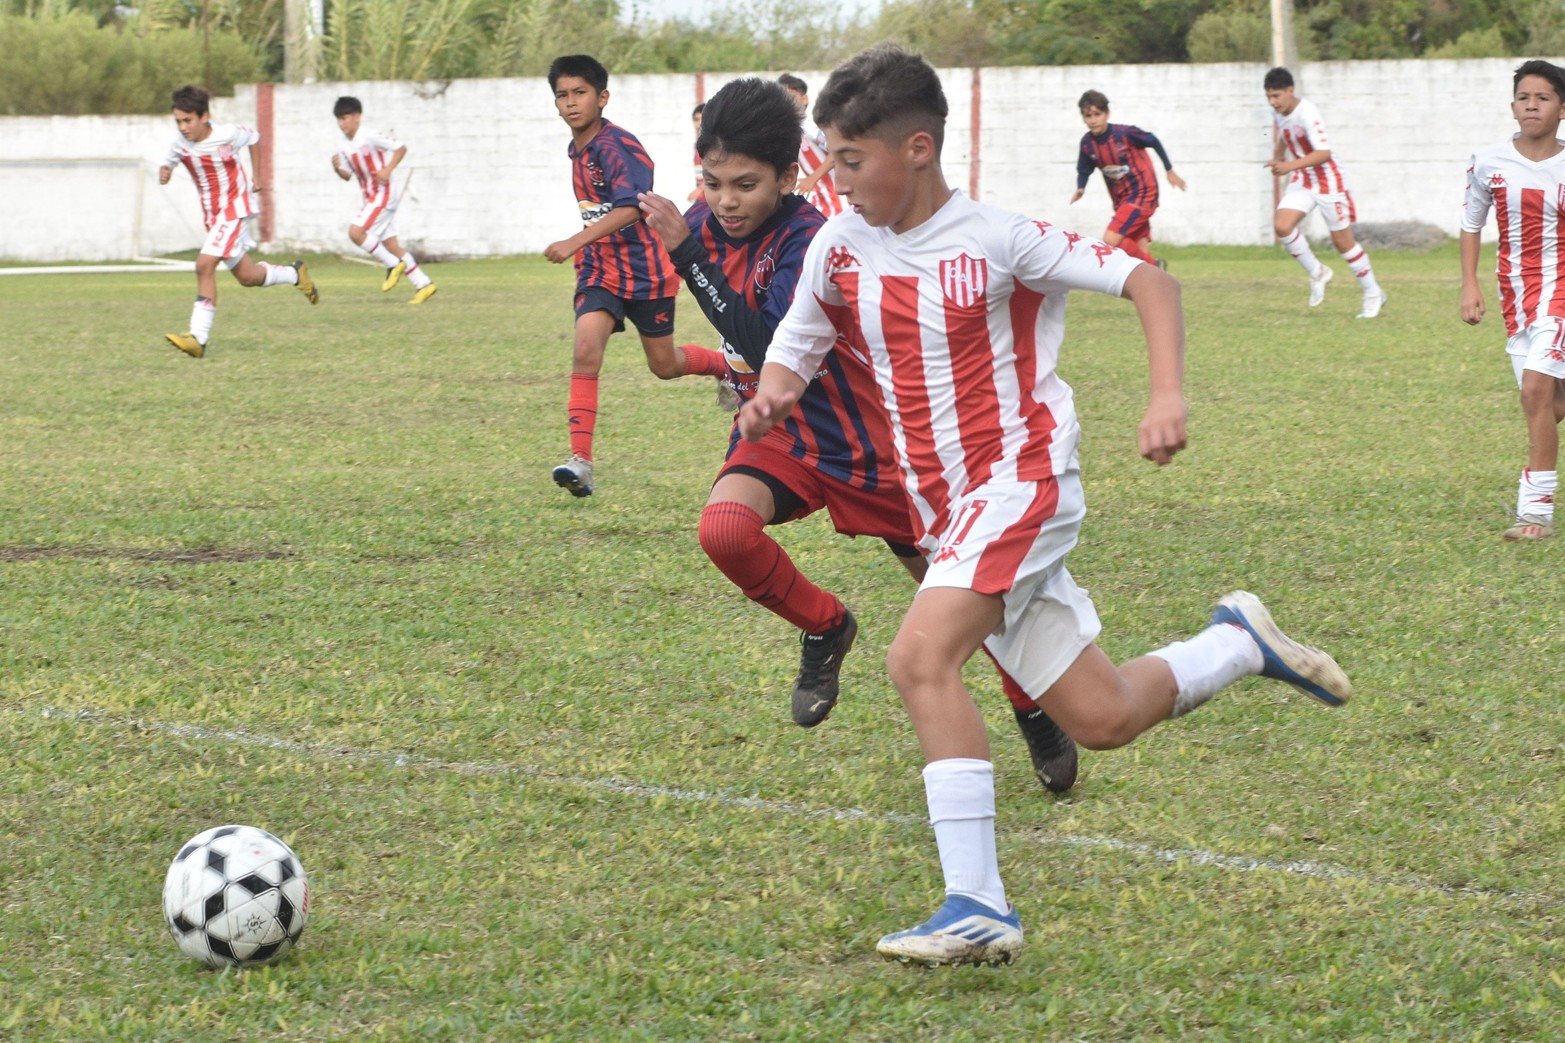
[
  {"x": 961, "y": 931},
  {"x": 1310, "y": 670}
]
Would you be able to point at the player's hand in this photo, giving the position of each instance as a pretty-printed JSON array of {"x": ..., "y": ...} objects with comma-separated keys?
[
  {"x": 1162, "y": 431},
  {"x": 383, "y": 176},
  {"x": 560, "y": 252},
  {"x": 163, "y": 174},
  {"x": 762, "y": 412},
  {"x": 1472, "y": 305},
  {"x": 664, "y": 218},
  {"x": 1078, "y": 194},
  {"x": 1177, "y": 181},
  {"x": 1276, "y": 166}
]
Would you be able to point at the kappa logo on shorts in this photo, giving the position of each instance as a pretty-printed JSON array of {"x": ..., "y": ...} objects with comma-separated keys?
[
  {"x": 1103, "y": 252},
  {"x": 964, "y": 279},
  {"x": 1043, "y": 227},
  {"x": 1071, "y": 239},
  {"x": 945, "y": 554}
]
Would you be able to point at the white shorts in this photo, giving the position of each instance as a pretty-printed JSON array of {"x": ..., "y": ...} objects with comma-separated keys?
[
  {"x": 1540, "y": 348},
  {"x": 378, "y": 220},
  {"x": 1010, "y": 539},
  {"x": 1336, "y": 207},
  {"x": 229, "y": 240}
]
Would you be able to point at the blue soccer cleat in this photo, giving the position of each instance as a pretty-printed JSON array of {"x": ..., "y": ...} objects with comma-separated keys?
[
  {"x": 961, "y": 931},
  {"x": 1310, "y": 670}
]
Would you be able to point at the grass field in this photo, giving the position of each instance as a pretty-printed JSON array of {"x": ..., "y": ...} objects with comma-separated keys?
[{"x": 536, "y": 753}]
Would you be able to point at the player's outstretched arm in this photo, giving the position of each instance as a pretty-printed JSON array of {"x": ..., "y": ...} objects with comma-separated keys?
[
  {"x": 164, "y": 173},
  {"x": 1157, "y": 299},
  {"x": 1473, "y": 306},
  {"x": 775, "y": 396},
  {"x": 608, "y": 224},
  {"x": 1175, "y": 180}
]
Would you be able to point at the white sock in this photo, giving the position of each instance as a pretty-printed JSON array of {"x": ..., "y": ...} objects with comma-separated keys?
[
  {"x": 280, "y": 274},
  {"x": 201, "y": 317},
  {"x": 377, "y": 249},
  {"x": 1535, "y": 493},
  {"x": 1358, "y": 260},
  {"x": 960, "y": 792},
  {"x": 1209, "y": 662},
  {"x": 414, "y": 273},
  {"x": 1299, "y": 247}
]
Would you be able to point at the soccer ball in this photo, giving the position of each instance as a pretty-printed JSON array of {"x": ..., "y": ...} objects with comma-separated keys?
[{"x": 236, "y": 896}]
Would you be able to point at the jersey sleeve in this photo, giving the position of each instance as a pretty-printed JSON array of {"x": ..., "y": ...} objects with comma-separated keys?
[
  {"x": 1147, "y": 140},
  {"x": 1315, "y": 129},
  {"x": 806, "y": 332},
  {"x": 381, "y": 139},
  {"x": 1050, "y": 260},
  {"x": 1477, "y": 201},
  {"x": 172, "y": 157},
  {"x": 628, "y": 175},
  {"x": 243, "y": 137},
  {"x": 1085, "y": 163}
]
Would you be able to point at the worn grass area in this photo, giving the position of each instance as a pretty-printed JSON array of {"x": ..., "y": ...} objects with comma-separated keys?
[{"x": 536, "y": 754}]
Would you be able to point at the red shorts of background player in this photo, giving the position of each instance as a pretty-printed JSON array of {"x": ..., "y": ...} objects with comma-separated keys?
[
  {"x": 1133, "y": 222},
  {"x": 799, "y": 490}
]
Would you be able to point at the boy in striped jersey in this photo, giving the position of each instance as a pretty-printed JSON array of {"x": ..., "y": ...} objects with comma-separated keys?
[
  {"x": 372, "y": 157},
  {"x": 958, "y": 310},
  {"x": 740, "y": 250},
  {"x": 1120, "y": 151},
  {"x": 815, "y": 180},
  {"x": 211, "y": 155},
  {"x": 1315, "y": 181},
  {"x": 1523, "y": 180},
  {"x": 622, "y": 270}
]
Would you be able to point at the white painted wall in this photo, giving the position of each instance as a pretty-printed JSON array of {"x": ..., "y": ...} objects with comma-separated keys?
[{"x": 487, "y": 173}]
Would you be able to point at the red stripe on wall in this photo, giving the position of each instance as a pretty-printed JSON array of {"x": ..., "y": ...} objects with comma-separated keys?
[
  {"x": 976, "y": 132},
  {"x": 264, "y": 123}
]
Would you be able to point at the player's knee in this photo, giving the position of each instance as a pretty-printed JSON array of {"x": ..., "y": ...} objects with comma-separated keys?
[
  {"x": 357, "y": 234},
  {"x": 729, "y": 532},
  {"x": 913, "y": 666},
  {"x": 666, "y": 368},
  {"x": 1108, "y": 729}
]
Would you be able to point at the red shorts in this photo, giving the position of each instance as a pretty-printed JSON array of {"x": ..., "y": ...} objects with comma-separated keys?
[
  {"x": 854, "y": 512},
  {"x": 1132, "y": 221}
]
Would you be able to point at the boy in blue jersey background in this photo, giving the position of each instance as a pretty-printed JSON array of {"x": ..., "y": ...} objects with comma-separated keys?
[
  {"x": 1120, "y": 151},
  {"x": 622, "y": 270},
  {"x": 740, "y": 251}
]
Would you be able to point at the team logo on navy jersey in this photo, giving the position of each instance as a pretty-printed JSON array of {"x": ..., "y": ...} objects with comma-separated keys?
[
  {"x": 765, "y": 270},
  {"x": 964, "y": 279},
  {"x": 595, "y": 173}
]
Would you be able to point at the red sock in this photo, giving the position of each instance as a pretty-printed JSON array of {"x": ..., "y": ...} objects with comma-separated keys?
[
  {"x": 1134, "y": 249},
  {"x": 734, "y": 537},
  {"x": 581, "y": 412},
  {"x": 1013, "y": 691},
  {"x": 703, "y": 362}
]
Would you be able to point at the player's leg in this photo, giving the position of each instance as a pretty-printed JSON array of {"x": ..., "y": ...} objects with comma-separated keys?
[
  {"x": 654, "y": 320},
  {"x": 203, "y": 312},
  {"x": 594, "y": 325},
  {"x": 1340, "y": 213},
  {"x": 1540, "y": 382},
  {"x": 1122, "y": 229},
  {"x": 404, "y": 263},
  {"x": 1291, "y": 210}
]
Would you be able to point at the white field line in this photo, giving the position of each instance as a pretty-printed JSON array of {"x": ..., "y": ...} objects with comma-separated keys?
[{"x": 418, "y": 762}]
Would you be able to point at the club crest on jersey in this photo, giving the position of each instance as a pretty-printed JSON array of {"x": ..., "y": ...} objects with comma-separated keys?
[
  {"x": 765, "y": 269},
  {"x": 595, "y": 173},
  {"x": 964, "y": 279},
  {"x": 225, "y": 152},
  {"x": 839, "y": 258}
]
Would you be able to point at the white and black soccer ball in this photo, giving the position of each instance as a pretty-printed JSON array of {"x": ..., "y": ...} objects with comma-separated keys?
[{"x": 236, "y": 896}]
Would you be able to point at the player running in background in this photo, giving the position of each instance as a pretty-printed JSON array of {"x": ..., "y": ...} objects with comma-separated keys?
[
  {"x": 1523, "y": 181},
  {"x": 695, "y": 125},
  {"x": 740, "y": 251},
  {"x": 1315, "y": 181},
  {"x": 958, "y": 309},
  {"x": 622, "y": 270},
  {"x": 815, "y": 180},
  {"x": 372, "y": 157},
  {"x": 1120, "y": 151},
  {"x": 211, "y": 154}
]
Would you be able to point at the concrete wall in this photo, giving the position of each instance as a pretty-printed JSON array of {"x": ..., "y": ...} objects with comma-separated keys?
[{"x": 487, "y": 173}]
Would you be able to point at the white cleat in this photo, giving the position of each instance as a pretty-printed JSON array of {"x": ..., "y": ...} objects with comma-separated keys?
[
  {"x": 1318, "y": 283},
  {"x": 1373, "y": 302}
]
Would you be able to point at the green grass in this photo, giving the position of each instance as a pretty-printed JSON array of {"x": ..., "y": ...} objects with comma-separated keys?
[{"x": 535, "y": 751}]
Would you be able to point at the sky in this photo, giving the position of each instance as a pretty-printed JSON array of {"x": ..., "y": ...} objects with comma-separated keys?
[{"x": 693, "y": 10}]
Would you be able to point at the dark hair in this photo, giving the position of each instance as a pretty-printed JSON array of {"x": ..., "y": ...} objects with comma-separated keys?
[
  {"x": 793, "y": 83},
  {"x": 191, "y": 98},
  {"x": 346, "y": 106},
  {"x": 700, "y": 108},
  {"x": 584, "y": 66},
  {"x": 755, "y": 118},
  {"x": 1278, "y": 79},
  {"x": 1094, "y": 100},
  {"x": 884, "y": 92},
  {"x": 1547, "y": 70}
]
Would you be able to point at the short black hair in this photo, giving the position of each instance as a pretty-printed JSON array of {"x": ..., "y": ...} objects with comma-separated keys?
[
  {"x": 884, "y": 92},
  {"x": 191, "y": 98},
  {"x": 584, "y": 66},
  {"x": 752, "y": 117},
  {"x": 1278, "y": 79},
  {"x": 1538, "y": 67},
  {"x": 700, "y": 108},
  {"x": 346, "y": 106},
  {"x": 793, "y": 83},
  {"x": 1093, "y": 100}
]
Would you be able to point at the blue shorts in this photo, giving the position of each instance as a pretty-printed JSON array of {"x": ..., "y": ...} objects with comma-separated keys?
[{"x": 652, "y": 318}]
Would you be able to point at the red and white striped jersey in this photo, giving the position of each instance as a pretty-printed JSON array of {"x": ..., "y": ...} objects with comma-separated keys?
[
  {"x": 960, "y": 320},
  {"x": 365, "y": 153},
  {"x": 1527, "y": 198},
  {"x": 1303, "y": 131},
  {"x": 812, "y": 153},
  {"x": 222, "y": 182}
]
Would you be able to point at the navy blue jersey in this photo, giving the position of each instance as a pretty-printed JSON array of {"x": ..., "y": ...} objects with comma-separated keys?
[
  {"x": 1121, "y": 153},
  {"x": 607, "y": 173}
]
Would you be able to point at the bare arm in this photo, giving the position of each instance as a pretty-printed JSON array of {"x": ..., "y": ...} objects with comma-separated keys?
[
  {"x": 1472, "y": 294},
  {"x": 1157, "y": 299},
  {"x": 808, "y": 184},
  {"x": 608, "y": 224},
  {"x": 1281, "y": 166},
  {"x": 775, "y": 396},
  {"x": 383, "y": 175}
]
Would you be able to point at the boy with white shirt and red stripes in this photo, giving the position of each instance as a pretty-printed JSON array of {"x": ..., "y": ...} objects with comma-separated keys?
[
  {"x": 957, "y": 309},
  {"x": 212, "y": 156},
  {"x": 1523, "y": 181},
  {"x": 372, "y": 156},
  {"x": 1315, "y": 182}
]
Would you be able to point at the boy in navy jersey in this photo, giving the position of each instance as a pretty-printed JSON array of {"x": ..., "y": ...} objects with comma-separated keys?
[
  {"x": 621, "y": 269},
  {"x": 740, "y": 251},
  {"x": 1120, "y": 151}
]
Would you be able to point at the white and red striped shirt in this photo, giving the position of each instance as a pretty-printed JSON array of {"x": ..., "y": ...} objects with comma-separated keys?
[
  {"x": 812, "y": 153},
  {"x": 222, "y": 182},
  {"x": 1303, "y": 131},
  {"x": 1527, "y": 198},
  {"x": 365, "y": 153},
  {"x": 961, "y": 320}
]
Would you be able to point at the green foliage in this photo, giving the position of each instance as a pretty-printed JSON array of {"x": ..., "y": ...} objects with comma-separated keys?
[
  {"x": 69, "y": 66},
  {"x": 1476, "y": 43},
  {"x": 1230, "y": 36}
]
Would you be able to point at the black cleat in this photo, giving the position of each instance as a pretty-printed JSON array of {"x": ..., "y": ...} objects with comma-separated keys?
[
  {"x": 1053, "y": 752},
  {"x": 820, "y": 665}
]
